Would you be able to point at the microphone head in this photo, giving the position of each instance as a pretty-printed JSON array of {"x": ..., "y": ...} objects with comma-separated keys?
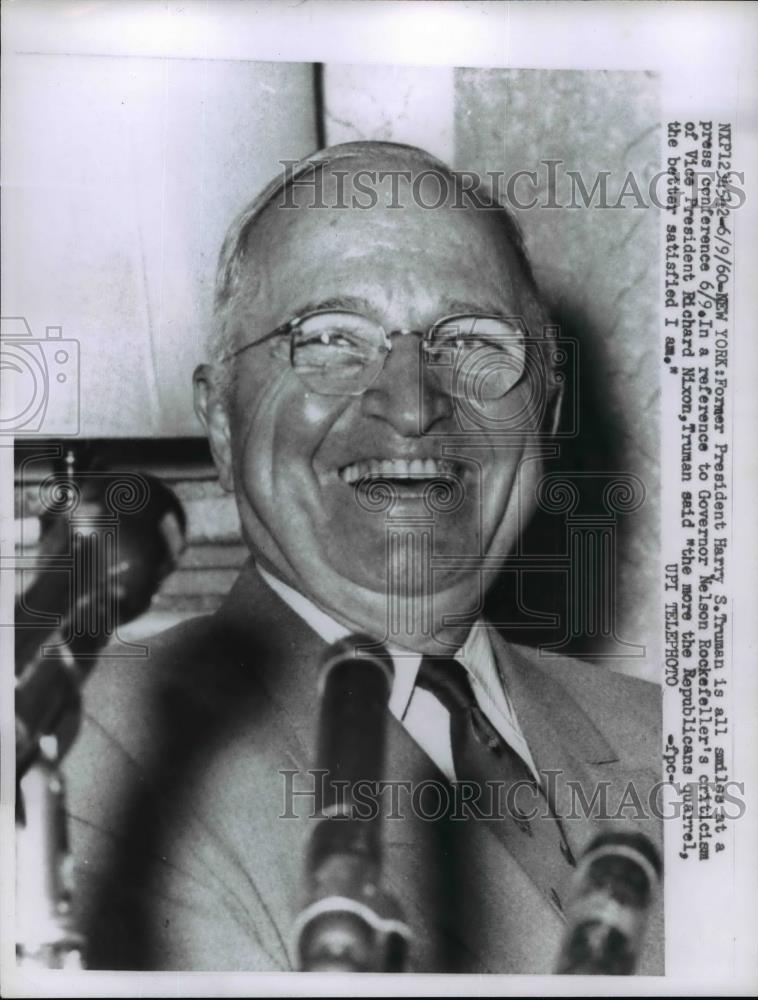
[
  {"x": 354, "y": 689},
  {"x": 357, "y": 647},
  {"x": 614, "y": 885}
]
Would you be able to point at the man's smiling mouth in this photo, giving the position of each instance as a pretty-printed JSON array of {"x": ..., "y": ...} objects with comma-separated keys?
[{"x": 399, "y": 470}]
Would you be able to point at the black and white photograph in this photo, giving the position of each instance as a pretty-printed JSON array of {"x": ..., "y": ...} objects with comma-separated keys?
[{"x": 374, "y": 407}]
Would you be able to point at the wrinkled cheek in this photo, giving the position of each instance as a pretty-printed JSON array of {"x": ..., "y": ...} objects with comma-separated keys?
[
  {"x": 252, "y": 453},
  {"x": 510, "y": 505}
]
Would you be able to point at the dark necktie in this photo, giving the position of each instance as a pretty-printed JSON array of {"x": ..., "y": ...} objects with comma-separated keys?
[{"x": 512, "y": 802}]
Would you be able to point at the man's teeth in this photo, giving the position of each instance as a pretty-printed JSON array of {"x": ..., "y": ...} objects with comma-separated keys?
[{"x": 396, "y": 468}]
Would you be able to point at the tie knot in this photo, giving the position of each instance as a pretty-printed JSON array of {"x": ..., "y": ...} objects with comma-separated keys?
[{"x": 448, "y": 680}]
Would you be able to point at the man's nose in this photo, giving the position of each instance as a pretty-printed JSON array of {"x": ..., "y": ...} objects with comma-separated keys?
[{"x": 407, "y": 394}]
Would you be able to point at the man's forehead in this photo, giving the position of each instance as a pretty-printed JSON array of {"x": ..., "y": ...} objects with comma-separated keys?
[
  {"x": 358, "y": 219},
  {"x": 369, "y": 261},
  {"x": 389, "y": 197},
  {"x": 313, "y": 198},
  {"x": 447, "y": 304}
]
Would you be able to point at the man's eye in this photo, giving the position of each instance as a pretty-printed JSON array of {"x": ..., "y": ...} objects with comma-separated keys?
[
  {"x": 339, "y": 340},
  {"x": 445, "y": 345},
  {"x": 334, "y": 339},
  {"x": 333, "y": 348}
]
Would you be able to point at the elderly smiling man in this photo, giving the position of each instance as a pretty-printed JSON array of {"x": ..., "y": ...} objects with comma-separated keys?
[{"x": 378, "y": 391}]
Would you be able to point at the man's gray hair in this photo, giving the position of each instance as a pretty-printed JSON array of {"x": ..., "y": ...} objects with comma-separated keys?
[{"x": 230, "y": 283}]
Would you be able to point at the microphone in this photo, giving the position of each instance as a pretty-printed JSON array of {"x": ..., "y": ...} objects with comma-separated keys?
[
  {"x": 113, "y": 567},
  {"x": 348, "y": 923},
  {"x": 66, "y": 618},
  {"x": 614, "y": 885}
]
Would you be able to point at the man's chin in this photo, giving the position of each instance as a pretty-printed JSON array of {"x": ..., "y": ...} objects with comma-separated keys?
[
  {"x": 406, "y": 572},
  {"x": 410, "y": 550},
  {"x": 410, "y": 617}
]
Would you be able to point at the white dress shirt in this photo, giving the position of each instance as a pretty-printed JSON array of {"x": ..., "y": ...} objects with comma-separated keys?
[{"x": 425, "y": 718}]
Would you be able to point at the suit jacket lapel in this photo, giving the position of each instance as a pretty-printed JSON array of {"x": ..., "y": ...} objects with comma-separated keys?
[
  {"x": 288, "y": 667},
  {"x": 562, "y": 737},
  {"x": 576, "y": 758}
]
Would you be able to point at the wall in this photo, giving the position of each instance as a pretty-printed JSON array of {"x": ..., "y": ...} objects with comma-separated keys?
[{"x": 123, "y": 175}]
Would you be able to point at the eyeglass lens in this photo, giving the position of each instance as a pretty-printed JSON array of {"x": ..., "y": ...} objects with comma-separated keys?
[{"x": 472, "y": 357}]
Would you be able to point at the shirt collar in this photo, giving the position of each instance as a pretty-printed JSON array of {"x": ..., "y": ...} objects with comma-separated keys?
[
  {"x": 475, "y": 654},
  {"x": 321, "y": 623}
]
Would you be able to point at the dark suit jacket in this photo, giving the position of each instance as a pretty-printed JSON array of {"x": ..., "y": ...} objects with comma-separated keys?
[{"x": 176, "y": 796}]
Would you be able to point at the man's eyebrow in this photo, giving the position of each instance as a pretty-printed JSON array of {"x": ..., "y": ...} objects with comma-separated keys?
[
  {"x": 461, "y": 306},
  {"x": 353, "y": 303},
  {"x": 360, "y": 304}
]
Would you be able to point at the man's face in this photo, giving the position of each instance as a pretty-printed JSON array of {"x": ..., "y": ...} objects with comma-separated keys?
[{"x": 297, "y": 455}]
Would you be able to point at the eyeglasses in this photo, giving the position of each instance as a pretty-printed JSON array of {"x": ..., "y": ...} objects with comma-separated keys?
[{"x": 341, "y": 353}]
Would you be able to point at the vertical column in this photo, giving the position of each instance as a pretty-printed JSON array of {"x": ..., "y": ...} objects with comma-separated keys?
[
  {"x": 410, "y": 544},
  {"x": 90, "y": 509},
  {"x": 591, "y": 545}
]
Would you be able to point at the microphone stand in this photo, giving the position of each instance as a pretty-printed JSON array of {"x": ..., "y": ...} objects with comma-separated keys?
[{"x": 46, "y": 936}]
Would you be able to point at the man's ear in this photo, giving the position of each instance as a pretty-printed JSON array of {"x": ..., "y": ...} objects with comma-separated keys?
[{"x": 211, "y": 413}]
